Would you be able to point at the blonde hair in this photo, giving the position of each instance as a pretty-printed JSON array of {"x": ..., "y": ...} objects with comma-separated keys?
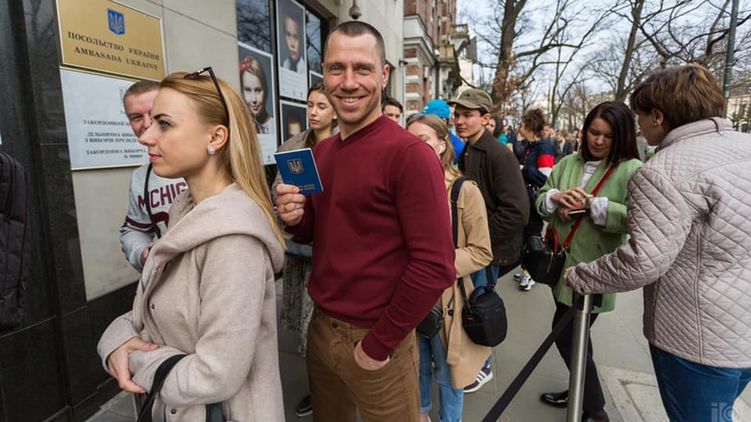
[
  {"x": 439, "y": 127},
  {"x": 242, "y": 154}
]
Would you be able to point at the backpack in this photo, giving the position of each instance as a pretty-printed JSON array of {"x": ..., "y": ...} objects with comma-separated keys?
[{"x": 15, "y": 242}]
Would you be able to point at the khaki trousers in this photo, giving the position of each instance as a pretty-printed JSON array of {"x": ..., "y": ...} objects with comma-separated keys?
[{"x": 339, "y": 387}]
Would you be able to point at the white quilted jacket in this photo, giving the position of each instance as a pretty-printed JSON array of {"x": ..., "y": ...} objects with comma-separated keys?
[{"x": 689, "y": 218}]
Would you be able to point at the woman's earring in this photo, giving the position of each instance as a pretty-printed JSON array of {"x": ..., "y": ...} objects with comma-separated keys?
[
  {"x": 211, "y": 150},
  {"x": 655, "y": 123}
]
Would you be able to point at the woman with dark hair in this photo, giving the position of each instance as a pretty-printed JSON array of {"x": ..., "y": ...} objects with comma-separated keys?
[
  {"x": 536, "y": 162},
  {"x": 255, "y": 92},
  {"x": 608, "y": 154},
  {"x": 297, "y": 306},
  {"x": 689, "y": 245}
]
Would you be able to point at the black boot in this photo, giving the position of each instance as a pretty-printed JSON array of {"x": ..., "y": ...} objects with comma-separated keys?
[{"x": 559, "y": 400}]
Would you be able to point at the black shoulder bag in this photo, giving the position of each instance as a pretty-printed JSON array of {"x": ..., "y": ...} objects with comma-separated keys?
[
  {"x": 214, "y": 411},
  {"x": 484, "y": 314},
  {"x": 544, "y": 258}
]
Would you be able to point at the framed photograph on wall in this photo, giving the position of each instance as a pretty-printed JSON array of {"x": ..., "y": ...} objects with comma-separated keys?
[
  {"x": 291, "y": 45},
  {"x": 257, "y": 91},
  {"x": 315, "y": 78},
  {"x": 294, "y": 119},
  {"x": 254, "y": 25}
]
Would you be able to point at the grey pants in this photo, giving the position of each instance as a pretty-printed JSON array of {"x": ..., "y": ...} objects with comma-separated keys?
[{"x": 297, "y": 306}]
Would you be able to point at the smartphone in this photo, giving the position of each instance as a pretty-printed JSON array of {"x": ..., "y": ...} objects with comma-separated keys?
[{"x": 577, "y": 211}]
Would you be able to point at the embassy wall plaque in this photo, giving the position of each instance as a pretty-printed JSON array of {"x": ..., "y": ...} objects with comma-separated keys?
[{"x": 106, "y": 36}]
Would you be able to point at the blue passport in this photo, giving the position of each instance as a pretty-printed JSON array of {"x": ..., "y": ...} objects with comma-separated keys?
[{"x": 298, "y": 167}]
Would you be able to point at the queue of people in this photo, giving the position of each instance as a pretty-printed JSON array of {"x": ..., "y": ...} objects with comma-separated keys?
[{"x": 207, "y": 290}]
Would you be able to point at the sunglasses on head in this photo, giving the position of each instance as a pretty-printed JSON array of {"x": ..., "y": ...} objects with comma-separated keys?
[{"x": 197, "y": 76}]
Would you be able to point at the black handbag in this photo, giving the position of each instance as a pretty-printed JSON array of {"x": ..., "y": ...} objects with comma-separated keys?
[
  {"x": 484, "y": 314},
  {"x": 214, "y": 412},
  {"x": 544, "y": 257},
  {"x": 431, "y": 324}
]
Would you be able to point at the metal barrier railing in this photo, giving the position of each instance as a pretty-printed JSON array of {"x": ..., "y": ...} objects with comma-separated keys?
[{"x": 580, "y": 312}]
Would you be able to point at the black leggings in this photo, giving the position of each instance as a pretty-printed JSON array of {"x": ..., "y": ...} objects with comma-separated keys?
[
  {"x": 594, "y": 400},
  {"x": 533, "y": 227}
]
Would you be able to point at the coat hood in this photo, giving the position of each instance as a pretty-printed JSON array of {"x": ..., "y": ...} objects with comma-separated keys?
[{"x": 231, "y": 212}]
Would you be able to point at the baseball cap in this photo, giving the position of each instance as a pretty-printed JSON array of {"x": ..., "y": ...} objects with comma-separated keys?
[
  {"x": 474, "y": 99},
  {"x": 438, "y": 107}
]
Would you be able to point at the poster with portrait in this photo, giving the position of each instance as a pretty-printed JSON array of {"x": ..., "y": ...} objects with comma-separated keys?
[
  {"x": 294, "y": 119},
  {"x": 257, "y": 91},
  {"x": 290, "y": 38},
  {"x": 315, "y": 78}
]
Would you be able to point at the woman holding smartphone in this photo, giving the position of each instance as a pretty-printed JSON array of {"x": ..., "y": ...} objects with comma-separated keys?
[{"x": 608, "y": 154}]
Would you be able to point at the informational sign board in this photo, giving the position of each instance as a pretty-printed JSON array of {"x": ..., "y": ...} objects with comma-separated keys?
[
  {"x": 99, "y": 134},
  {"x": 105, "y": 36}
]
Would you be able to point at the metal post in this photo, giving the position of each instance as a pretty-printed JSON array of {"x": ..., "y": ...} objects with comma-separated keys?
[
  {"x": 730, "y": 53},
  {"x": 578, "y": 357}
]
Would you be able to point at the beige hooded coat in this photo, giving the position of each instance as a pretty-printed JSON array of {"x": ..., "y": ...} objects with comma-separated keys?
[
  {"x": 473, "y": 253},
  {"x": 207, "y": 290}
]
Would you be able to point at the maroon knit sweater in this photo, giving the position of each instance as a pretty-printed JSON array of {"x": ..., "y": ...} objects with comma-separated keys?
[{"x": 383, "y": 250}]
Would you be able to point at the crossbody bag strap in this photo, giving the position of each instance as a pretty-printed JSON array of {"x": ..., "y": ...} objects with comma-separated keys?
[
  {"x": 455, "y": 190},
  {"x": 595, "y": 191},
  {"x": 156, "y": 386},
  {"x": 147, "y": 201}
]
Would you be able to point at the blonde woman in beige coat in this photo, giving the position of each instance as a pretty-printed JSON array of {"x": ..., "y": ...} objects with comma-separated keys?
[
  {"x": 207, "y": 289},
  {"x": 451, "y": 358}
]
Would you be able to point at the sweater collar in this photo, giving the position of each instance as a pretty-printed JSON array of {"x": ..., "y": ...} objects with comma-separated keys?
[
  {"x": 698, "y": 128},
  {"x": 381, "y": 122}
]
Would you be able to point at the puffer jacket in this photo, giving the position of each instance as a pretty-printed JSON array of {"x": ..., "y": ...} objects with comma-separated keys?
[{"x": 689, "y": 217}]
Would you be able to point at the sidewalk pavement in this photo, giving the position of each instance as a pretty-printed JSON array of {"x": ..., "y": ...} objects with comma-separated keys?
[{"x": 621, "y": 353}]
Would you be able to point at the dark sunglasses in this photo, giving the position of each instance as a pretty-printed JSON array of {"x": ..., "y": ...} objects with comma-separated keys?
[{"x": 197, "y": 75}]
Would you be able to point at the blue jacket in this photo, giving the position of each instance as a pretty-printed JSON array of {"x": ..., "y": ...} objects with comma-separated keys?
[{"x": 458, "y": 145}]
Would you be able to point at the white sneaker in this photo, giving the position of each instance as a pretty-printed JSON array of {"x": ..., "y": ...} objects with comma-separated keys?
[
  {"x": 518, "y": 276},
  {"x": 526, "y": 283},
  {"x": 485, "y": 375}
]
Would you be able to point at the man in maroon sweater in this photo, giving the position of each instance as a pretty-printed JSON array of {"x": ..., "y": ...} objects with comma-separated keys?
[{"x": 383, "y": 245}]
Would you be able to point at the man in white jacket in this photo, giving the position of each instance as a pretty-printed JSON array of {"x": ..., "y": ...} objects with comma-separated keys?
[{"x": 150, "y": 196}]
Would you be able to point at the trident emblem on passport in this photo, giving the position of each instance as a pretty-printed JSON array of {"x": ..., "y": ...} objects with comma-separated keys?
[{"x": 295, "y": 166}]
